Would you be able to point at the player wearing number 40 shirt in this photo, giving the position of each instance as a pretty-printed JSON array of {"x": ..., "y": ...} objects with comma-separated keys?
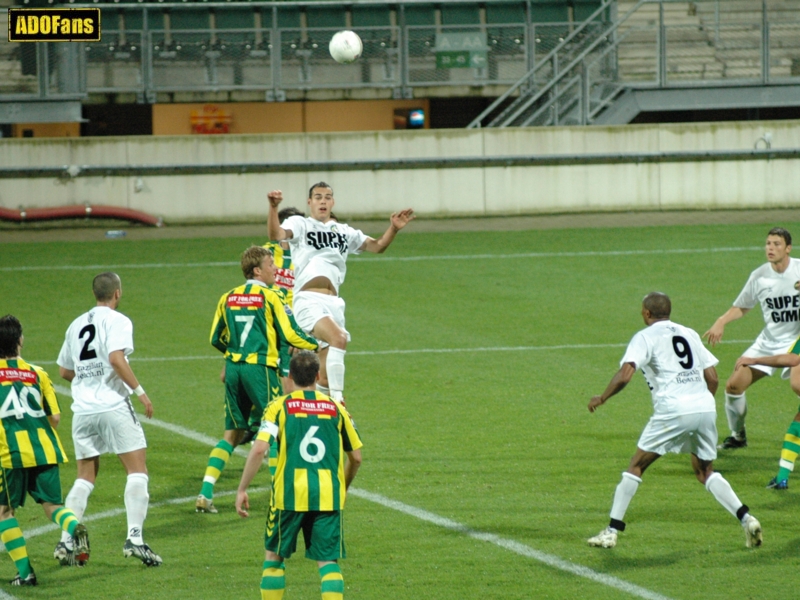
[
  {"x": 682, "y": 379},
  {"x": 774, "y": 286},
  {"x": 94, "y": 358},
  {"x": 250, "y": 325}
]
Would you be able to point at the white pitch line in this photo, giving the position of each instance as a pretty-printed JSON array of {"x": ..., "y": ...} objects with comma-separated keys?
[
  {"x": 398, "y": 259},
  {"x": 507, "y": 544},
  {"x": 412, "y": 351},
  {"x": 511, "y": 545}
]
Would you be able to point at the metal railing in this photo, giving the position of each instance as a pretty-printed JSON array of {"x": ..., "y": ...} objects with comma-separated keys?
[{"x": 647, "y": 51}]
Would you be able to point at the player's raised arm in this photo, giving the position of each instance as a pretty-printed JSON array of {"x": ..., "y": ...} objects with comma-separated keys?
[
  {"x": 274, "y": 230},
  {"x": 398, "y": 221},
  {"x": 714, "y": 334}
]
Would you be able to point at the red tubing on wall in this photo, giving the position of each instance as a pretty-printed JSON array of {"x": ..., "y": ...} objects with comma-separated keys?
[{"x": 79, "y": 211}]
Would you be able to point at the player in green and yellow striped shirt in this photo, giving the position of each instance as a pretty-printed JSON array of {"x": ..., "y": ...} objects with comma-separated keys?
[
  {"x": 314, "y": 435},
  {"x": 30, "y": 452},
  {"x": 791, "y": 440},
  {"x": 249, "y": 326}
]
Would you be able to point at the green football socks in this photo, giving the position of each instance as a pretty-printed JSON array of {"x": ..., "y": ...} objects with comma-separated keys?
[
  {"x": 66, "y": 519},
  {"x": 14, "y": 541},
  {"x": 219, "y": 457},
  {"x": 273, "y": 580},
  {"x": 791, "y": 447},
  {"x": 332, "y": 582}
]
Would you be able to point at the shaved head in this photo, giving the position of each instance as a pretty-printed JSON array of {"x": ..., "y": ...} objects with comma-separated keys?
[{"x": 658, "y": 304}]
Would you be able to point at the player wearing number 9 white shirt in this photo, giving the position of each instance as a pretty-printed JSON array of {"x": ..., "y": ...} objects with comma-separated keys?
[
  {"x": 682, "y": 379},
  {"x": 320, "y": 247},
  {"x": 94, "y": 359},
  {"x": 774, "y": 286}
]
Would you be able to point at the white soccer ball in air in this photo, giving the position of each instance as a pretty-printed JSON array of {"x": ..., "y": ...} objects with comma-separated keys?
[{"x": 345, "y": 47}]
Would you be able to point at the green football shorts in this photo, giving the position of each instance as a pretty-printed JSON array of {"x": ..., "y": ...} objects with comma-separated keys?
[
  {"x": 42, "y": 483},
  {"x": 248, "y": 389},
  {"x": 323, "y": 533}
]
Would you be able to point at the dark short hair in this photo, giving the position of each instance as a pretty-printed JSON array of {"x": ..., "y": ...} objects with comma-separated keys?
[
  {"x": 780, "y": 231},
  {"x": 303, "y": 368},
  {"x": 104, "y": 286},
  {"x": 289, "y": 211},
  {"x": 320, "y": 184},
  {"x": 251, "y": 258},
  {"x": 658, "y": 304},
  {"x": 10, "y": 335}
]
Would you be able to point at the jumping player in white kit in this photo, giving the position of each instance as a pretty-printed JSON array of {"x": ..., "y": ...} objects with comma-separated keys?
[
  {"x": 775, "y": 287},
  {"x": 320, "y": 247},
  {"x": 682, "y": 379}
]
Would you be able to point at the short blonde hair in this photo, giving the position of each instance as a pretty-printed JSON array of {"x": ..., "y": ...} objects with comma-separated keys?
[{"x": 251, "y": 258}]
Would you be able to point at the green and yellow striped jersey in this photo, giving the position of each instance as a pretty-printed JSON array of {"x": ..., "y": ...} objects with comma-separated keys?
[
  {"x": 26, "y": 398},
  {"x": 251, "y": 323},
  {"x": 314, "y": 432},
  {"x": 284, "y": 274}
]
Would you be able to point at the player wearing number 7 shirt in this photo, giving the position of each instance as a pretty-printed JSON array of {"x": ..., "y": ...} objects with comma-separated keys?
[
  {"x": 682, "y": 379},
  {"x": 94, "y": 358},
  {"x": 249, "y": 326}
]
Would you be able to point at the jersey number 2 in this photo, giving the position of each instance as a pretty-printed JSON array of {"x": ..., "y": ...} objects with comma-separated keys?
[
  {"x": 682, "y": 349},
  {"x": 86, "y": 352}
]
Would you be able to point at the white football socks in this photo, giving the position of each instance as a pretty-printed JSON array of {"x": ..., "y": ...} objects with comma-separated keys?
[
  {"x": 323, "y": 389},
  {"x": 624, "y": 494},
  {"x": 723, "y": 492},
  {"x": 136, "y": 501},
  {"x": 736, "y": 411},
  {"x": 76, "y": 501},
  {"x": 335, "y": 368}
]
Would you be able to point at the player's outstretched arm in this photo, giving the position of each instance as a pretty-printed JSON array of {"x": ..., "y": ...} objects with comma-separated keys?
[
  {"x": 715, "y": 332},
  {"x": 123, "y": 369},
  {"x": 274, "y": 230},
  {"x": 254, "y": 460},
  {"x": 617, "y": 383},
  {"x": 398, "y": 221},
  {"x": 779, "y": 360}
]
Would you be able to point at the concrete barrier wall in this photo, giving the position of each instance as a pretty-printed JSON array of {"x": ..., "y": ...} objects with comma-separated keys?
[{"x": 442, "y": 191}]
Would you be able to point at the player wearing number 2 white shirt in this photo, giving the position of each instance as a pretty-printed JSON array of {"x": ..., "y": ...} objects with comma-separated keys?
[
  {"x": 774, "y": 286},
  {"x": 320, "y": 247},
  {"x": 94, "y": 359},
  {"x": 682, "y": 379}
]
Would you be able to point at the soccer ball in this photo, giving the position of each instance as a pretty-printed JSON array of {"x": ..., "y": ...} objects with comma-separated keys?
[{"x": 345, "y": 47}]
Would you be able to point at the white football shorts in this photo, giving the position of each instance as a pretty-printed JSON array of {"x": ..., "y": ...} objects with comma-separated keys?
[
  {"x": 763, "y": 347},
  {"x": 682, "y": 434},
  {"x": 112, "y": 432},
  {"x": 310, "y": 307}
]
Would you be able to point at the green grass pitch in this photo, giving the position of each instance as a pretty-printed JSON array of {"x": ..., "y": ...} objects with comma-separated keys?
[{"x": 472, "y": 361}]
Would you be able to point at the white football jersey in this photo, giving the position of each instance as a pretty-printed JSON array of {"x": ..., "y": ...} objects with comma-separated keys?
[
  {"x": 321, "y": 249},
  {"x": 779, "y": 300},
  {"x": 90, "y": 339},
  {"x": 672, "y": 358}
]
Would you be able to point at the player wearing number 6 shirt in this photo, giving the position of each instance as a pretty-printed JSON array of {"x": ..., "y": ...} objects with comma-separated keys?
[
  {"x": 313, "y": 433},
  {"x": 774, "y": 286},
  {"x": 320, "y": 247},
  {"x": 682, "y": 379},
  {"x": 94, "y": 358},
  {"x": 250, "y": 324}
]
